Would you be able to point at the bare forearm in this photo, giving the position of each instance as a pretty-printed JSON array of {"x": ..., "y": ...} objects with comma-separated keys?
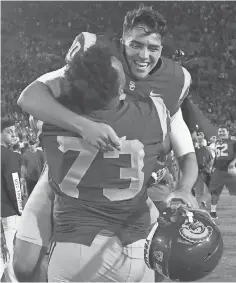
[
  {"x": 37, "y": 100},
  {"x": 189, "y": 171}
]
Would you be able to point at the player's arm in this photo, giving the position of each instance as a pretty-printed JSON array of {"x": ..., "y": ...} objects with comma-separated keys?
[
  {"x": 4, "y": 250},
  {"x": 34, "y": 232},
  {"x": 181, "y": 141},
  {"x": 38, "y": 99},
  {"x": 182, "y": 145}
]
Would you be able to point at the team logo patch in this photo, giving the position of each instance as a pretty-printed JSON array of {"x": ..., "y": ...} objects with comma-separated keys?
[
  {"x": 158, "y": 255},
  {"x": 132, "y": 85},
  {"x": 195, "y": 232}
]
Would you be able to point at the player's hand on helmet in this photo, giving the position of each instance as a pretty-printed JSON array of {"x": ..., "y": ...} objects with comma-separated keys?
[
  {"x": 102, "y": 136},
  {"x": 182, "y": 196}
]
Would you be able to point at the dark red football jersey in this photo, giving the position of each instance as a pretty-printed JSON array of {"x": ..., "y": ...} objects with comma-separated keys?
[
  {"x": 225, "y": 153},
  {"x": 97, "y": 191},
  {"x": 171, "y": 82}
]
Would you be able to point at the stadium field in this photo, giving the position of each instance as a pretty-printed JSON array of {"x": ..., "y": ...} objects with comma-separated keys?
[{"x": 226, "y": 270}]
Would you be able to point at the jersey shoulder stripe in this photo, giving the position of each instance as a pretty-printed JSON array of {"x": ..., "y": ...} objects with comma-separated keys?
[
  {"x": 187, "y": 83},
  {"x": 163, "y": 114}
]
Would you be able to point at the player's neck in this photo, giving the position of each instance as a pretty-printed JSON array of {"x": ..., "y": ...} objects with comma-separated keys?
[{"x": 113, "y": 104}]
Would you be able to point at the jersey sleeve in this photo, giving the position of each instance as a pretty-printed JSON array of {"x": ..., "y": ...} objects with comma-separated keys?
[
  {"x": 56, "y": 81},
  {"x": 180, "y": 136},
  {"x": 164, "y": 115}
]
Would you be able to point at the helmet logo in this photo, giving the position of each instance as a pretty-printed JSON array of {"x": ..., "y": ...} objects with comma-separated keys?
[
  {"x": 158, "y": 255},
  {"x": 195, "y": 232}
]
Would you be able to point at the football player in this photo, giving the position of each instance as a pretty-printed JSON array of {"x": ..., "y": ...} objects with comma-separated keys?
[
  {"x": 224, "y": 174},
  {"x": 147, "y": 74},
  {"x": 97, "y": 192}
]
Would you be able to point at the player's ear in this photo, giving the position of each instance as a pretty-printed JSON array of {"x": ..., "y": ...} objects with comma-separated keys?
[{"x": 122, "y": 95}]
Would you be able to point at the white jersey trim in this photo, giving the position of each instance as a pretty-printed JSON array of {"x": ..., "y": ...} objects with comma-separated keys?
[
  {"x": 187, "y": 82},
  {"x": 163, "y": 114},
  {"x": 180, "y": 137}
]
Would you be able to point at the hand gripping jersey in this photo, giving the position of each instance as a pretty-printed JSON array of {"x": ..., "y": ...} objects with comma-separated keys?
[
  {"x": 169, "y": 80},
  {"x": 225, "y": 153},
  {"x": 97, "y": 191}
]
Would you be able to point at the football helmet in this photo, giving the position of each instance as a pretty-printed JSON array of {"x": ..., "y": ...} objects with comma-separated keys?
[{"x": 183, "y": 245}]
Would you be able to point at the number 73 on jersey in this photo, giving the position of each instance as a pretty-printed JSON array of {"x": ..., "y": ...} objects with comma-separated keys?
[{"x": 130, "y": 177}]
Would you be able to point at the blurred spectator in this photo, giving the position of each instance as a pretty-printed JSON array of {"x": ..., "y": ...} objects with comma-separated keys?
[
  {"x": 16, "y": 148},
  {"x": 25, "y": 148},
  {"x": 201, "y": 140},
  {"x": 205, "y": 162},
  {"x": 11, "y": 198},
  {"x": 32, "y": 165},
  {"x": 21, "y": 141},
  {"x": 212, "y": 146},
  {"x": 196, "y": 37}
]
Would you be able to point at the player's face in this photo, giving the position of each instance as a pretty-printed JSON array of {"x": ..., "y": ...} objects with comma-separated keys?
[
  {"x": 8, "y": 135},
  {"x": 223, "y": 133},
  {"x": 142, "y": 50}
]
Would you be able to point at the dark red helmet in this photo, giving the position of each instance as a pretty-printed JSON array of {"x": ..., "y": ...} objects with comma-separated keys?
[{"x": 184, "y": 245}]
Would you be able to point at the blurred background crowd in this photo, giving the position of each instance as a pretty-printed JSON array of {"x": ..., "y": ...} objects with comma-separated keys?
[
  {"x": 201, "y": 36},
  {"x": 37, "y": 35}
]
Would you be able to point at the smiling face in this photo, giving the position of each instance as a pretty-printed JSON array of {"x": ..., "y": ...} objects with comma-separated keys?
[
  {"x": 142, "y": 49},
  {"x": 223, "y": 133}
]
